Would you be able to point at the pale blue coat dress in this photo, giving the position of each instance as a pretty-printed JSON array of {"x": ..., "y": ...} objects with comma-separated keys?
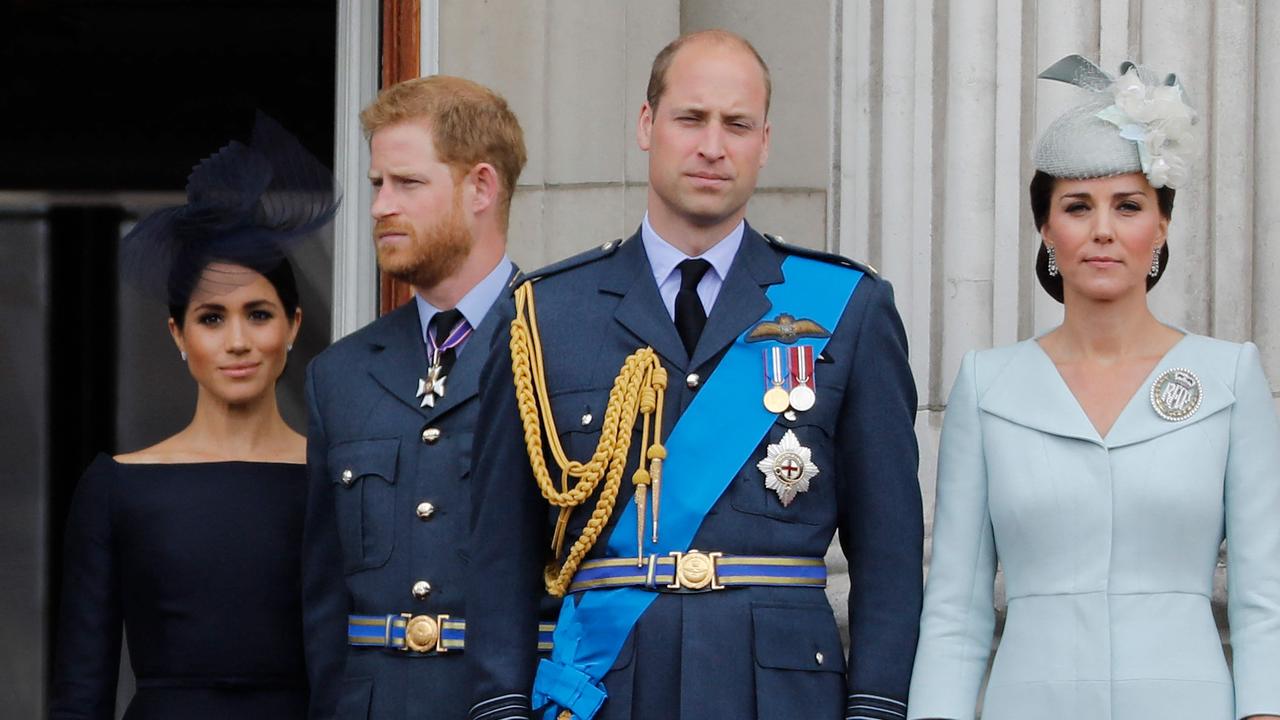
[{"x": 1108, "y": 546}]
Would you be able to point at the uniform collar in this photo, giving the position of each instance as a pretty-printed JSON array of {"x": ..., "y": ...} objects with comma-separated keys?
[
  {"x": 476, "y": 303},
  {"x": 664, "y": 257}
]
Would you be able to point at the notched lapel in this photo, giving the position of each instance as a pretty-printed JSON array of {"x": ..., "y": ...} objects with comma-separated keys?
[
  {"x": 641, "y": 310},
  {"x": 400, "y": 355}
]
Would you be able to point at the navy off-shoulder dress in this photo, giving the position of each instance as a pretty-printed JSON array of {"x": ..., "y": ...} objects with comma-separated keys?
[{"x": 199, "y": 563}]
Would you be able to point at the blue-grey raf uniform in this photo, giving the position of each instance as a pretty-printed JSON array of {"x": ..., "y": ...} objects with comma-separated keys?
[
  {"x": 388, "y": 514},
  {"x": 744, "y": 652}
]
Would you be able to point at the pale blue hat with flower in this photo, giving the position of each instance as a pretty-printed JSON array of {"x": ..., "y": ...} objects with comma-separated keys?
[{"x": 1136, "y": 122}]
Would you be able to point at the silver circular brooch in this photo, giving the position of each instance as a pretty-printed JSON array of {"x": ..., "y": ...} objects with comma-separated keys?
[{"x": 1176, "y": 394}]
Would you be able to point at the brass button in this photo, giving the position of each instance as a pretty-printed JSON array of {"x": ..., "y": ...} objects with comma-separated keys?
[
  {"x": 818, "y": 656},
  {"x": 586, "y": 419},
  {"x": 348, "y": 477},
  {"x": 430, "y": 435},
  {"x": 426, "y": 510},
  {"x": 421, "y": 589},
  {"x": 693, "y": 380}
]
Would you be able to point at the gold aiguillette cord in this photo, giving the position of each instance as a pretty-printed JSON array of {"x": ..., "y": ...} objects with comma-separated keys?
[{"x": 637, "y": 390}]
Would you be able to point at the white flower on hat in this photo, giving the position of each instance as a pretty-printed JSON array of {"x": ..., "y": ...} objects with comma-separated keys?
[{"x": 1159, "y": 121}]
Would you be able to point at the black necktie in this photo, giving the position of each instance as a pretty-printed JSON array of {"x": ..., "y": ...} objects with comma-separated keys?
[
  {"x": 690, "y": 315},
  {"x": 442, "y": 325}
]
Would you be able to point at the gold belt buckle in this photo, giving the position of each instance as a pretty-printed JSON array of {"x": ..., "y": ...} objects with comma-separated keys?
[
  {"x": 422, "y": 632},
  {"x": 695, "y": 570}
]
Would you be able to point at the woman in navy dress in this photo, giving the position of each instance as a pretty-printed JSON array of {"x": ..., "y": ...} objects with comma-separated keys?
[{"x": 191, "y": 546}]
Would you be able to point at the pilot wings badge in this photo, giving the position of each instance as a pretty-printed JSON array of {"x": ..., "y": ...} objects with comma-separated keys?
[
  {"x": 788, "y": 467},
  {"x": 786, "y": 329}
]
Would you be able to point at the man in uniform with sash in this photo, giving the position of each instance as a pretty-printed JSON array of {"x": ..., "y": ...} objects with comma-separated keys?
[
  {"x": 392, "y": 408},
  {"x": 673, "y": 429}
]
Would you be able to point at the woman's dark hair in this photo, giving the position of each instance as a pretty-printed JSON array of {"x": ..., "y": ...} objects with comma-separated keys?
[
  {"x": 1041, "y": 191},
  {"x": 280, "y": 276}
]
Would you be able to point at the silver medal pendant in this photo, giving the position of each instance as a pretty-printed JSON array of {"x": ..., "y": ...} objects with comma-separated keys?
[
  {"x": 431, "y": 387},
  {"x": 788, "y": 467},
  {"x": 1176, "y": 394}
]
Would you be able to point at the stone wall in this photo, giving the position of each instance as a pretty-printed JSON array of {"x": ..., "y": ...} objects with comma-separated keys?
[{"x": 901, "y": 136}]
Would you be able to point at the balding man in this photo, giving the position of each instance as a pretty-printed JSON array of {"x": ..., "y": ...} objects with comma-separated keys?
[{"x": 673, "y": 430}]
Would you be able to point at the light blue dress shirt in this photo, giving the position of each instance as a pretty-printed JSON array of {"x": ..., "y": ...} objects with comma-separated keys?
[
  {"x": 475, "y": 304},
  {"x": 665, "y": 257}
]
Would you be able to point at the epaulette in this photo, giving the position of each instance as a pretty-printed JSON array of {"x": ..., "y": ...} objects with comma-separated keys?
[
  {"x": 583, "y": 258},
  {"x": 792, "y": 249}
]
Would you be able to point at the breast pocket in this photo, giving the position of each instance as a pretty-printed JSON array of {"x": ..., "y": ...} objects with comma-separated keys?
[
  {"x": 365, "y": 475},
  {"x": 579, "y": 417},
  {"x": 791, "y": 476}
]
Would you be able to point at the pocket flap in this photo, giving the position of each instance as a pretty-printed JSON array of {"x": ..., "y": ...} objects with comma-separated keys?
[
  {"x": 580, "y": 410},
  {"x": 351, "y": 461},
  {"x": 797, "y": 637}
]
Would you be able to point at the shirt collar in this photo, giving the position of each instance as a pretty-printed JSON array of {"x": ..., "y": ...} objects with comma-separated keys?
[
  {"x": 476, "y": 303},
  {"x": 664, "y": 257}
]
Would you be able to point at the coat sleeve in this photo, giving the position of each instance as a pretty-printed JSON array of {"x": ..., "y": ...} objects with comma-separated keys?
[
  {"x": 87, "y": 663},
  {"x": 1252, "y": 495},
  {"x": 508, "y": 549},
  {"x": 881, "y": 521},
  {"x": 958, "y": 622},
  {"x": 324, "y": 594}
]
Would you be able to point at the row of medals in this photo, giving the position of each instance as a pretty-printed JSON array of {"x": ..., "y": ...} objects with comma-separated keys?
[{"x": 789, "y": 383}]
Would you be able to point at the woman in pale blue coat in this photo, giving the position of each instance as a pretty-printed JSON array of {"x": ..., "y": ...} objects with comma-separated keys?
[{"x": 1104, "y": 462}]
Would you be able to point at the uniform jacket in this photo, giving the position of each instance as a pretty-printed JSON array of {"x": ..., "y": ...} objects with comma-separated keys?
[
  {"x": 1108, "y": 546},
  {"x": 366, "y": 543},
  {"x": 763, "y": 652}
]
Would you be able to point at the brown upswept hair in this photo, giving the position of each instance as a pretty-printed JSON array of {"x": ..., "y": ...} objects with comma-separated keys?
[
  {"x": 662, "y": 63},
  {"x": 470, "y": 124}
]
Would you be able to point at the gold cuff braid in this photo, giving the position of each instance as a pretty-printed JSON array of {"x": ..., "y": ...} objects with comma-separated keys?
[{"x": 637, "y": 391}]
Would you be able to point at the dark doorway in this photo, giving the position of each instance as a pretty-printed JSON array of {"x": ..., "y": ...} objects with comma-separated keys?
[{"x": 107, "y": 104}]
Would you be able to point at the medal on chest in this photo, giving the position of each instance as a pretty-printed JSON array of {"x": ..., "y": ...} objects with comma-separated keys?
[
  {"x": 803, "y": 395},
  {"x": 431, "y": 388},
  {"x": 787, "y": 467},
  {"x": 776, "y": 397}
]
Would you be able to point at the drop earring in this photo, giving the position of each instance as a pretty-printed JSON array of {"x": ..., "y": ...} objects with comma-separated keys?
[
  {"x": 1155, "y": 262},
  {"x": 183, "y": 353},
  {"x": 1053, "y": 261},
  {"x": 288, "y": 348}
]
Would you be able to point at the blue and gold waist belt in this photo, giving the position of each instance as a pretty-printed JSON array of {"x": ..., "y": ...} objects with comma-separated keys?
[
  {"x": 434, "y": 634},
  {"x": 697, "y": 571}
]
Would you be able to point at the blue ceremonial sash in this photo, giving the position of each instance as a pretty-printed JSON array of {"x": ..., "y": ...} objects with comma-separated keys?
[{"x": 708, "y": 446}]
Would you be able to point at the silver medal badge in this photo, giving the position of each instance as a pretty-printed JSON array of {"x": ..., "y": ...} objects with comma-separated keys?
[
  {"x": 431, "y": 387},
  {"x": 1176, "y": 394},
  {"x": 788, "y": 467}
]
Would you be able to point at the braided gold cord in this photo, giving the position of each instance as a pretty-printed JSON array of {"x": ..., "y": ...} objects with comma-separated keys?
[{"x": 641, "y": 378}]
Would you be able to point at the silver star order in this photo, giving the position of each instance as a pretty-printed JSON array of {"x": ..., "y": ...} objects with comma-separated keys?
[
  {"x": 787, "y": 468},
  {"x": 431, "y": 387}
]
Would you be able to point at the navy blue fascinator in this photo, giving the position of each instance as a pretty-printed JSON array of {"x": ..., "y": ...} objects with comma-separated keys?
[{"x": 247, "y": 205}]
